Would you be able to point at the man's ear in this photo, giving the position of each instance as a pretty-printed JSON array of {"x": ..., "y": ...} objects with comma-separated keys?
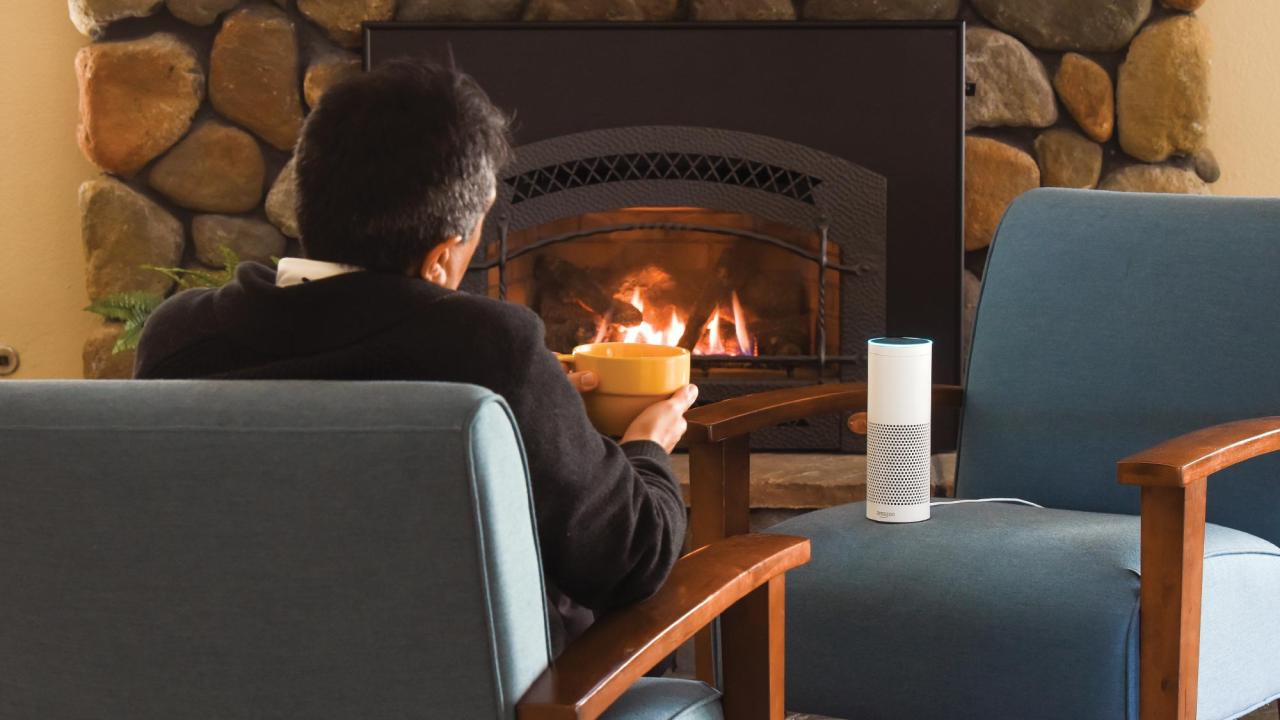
[{"x": 435, "y": 265}]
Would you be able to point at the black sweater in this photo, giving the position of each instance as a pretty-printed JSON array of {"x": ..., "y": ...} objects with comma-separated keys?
[{"x": 610, "y": 518}]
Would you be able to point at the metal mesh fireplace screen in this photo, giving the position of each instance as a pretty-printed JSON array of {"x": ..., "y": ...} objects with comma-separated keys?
[{"x": 662, "y": 166}]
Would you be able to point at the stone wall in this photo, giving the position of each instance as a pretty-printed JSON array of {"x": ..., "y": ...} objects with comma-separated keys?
[{"x": 191, "y": 108}]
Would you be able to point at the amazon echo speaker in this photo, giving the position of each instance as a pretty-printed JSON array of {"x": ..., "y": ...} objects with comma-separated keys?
[{"x": 899, "y": 403}]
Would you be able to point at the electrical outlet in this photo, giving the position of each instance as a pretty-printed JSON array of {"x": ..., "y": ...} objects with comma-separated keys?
[{"x": 8, "y": 360}]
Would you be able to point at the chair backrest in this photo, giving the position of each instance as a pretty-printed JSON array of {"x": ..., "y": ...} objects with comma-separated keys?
[
  {"x": 264, "y": 549},
  {"x": 1109, "y": 322}
]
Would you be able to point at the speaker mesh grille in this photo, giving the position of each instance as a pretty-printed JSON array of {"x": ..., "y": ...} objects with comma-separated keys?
[{"x": 897, "y": 464}]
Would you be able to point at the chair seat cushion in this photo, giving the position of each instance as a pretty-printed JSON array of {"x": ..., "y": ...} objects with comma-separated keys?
[
  {"x": 667, "y": 699},
  {"x": 997, "y": 610}
]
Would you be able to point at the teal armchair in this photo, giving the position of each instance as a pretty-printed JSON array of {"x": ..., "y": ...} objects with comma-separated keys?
[
  {"x": 324, "y": 550},
  {"x": 1125, "y": 375}
]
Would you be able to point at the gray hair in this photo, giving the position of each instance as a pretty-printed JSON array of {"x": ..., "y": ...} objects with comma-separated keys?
[{"x": 395, "y": 161}]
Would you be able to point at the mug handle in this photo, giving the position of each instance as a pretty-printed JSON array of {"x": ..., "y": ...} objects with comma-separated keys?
[{"x": 565, "y": 360}]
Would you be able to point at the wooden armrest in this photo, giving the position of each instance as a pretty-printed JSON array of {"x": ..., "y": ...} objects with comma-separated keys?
[
  {"x": 1199, "y": 454},
  {"x": 1173, "y": 479},
  {"x": 748, "y": 413},
  {"x": 598, "y": 667}
]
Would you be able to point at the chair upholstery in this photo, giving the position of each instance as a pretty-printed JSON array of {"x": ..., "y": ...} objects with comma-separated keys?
[
  {"x": 265, "y": 549},
  {"x": 993, "y": 610},
  {"x": 1108, "y": 322},
  {"x": 667, "y": 699}
]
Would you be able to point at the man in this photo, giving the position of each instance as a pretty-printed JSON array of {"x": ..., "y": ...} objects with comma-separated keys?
[{"x": 396, "y": 170}]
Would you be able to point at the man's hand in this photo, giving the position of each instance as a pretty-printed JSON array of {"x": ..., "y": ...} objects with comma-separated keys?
[
  {"x": 663, "y": 422},
  {"x": 584, "y": 381}
]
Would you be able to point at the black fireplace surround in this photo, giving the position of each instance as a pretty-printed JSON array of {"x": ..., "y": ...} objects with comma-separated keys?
[{"x": 851, "y": 131}]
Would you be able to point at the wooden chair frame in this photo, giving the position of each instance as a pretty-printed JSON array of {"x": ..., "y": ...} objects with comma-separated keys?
[
  {"x": 740, "y": 577},
  {"x": 1173, "y": 477}
]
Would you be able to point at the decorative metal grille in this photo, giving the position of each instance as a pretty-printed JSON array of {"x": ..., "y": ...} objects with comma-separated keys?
[{"x": 662, "y": 166}]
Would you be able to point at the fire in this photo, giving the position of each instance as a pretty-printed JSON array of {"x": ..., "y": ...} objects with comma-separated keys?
[
  {"x": 726, "y": 332},
  {"x": 737, "y": 341},
  {"x": 657, "y": 328},
  {"x": 746, "y": 345}
]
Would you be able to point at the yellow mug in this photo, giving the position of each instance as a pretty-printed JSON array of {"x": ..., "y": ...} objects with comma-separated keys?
[{"x": 630, "y": 377}]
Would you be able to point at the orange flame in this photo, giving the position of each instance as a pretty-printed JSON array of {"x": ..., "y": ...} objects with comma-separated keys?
[
  {"x": 650, "y": 330},
  {"x": 746, "y": 344},
  {"x": 714, "y": 346},
  {"x": 665, "y": 325}
]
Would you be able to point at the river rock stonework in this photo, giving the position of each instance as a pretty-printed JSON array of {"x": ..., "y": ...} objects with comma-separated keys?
[
  {"x": 325, "y": 72},
  {"x": 122, "y": 232},
  {"x": 881, "y": 9},
  {"x": 1206, "y": 165},
  {"x": 137, "y": 98},
  {"x": 713, "y": 10},
  {"x": 216, "y": 168},
  {"x": 1155, "y": 179},
  {"x": 245, "y": 68},
  {"x": 1068, "y": 159},
  {"x": 100, "y": 363},
  {"x": 91, "y": 16},
  {"x": 253, "y": 74},
  {"x": 1162, "y": 90},
  {"x": 1084, "y": 25},
  {"x": 1087, "y": 93},
  {"x": 606, "y": 10},
  {"x": 1011, "y": 85},
  {"x": 994, "y": 174},
  {"x": 199, "y": 12},
  {"x": 251, "y": 240},
  {"x": 459, "y": 10},
  {"x": 282, "y": 201},
  {"x": 342, "y": 19}
]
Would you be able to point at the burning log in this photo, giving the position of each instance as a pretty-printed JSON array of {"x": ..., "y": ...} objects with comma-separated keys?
[
  {"x": 568, "y": 327},
  {"x": 560, "y": 281},
  {"x": 779, "y": 336},
  {"x": 734, "y": 269},
  {"x": 743, "y": 305}
]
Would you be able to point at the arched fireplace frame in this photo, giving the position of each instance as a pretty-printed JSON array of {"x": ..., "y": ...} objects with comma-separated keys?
[{"x": 716, "y": 169}]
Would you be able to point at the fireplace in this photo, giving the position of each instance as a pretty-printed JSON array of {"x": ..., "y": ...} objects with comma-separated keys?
[
  {"x": 656, "y": 197},
  {"x": 734, "y": 289},
  {"x": 763, "y": 258}
]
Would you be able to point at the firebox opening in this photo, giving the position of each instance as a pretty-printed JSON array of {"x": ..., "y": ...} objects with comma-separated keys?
[{"x": 693, "y": 277}]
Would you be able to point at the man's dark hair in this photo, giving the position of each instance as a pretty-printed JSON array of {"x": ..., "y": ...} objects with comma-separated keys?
[{"x": 395, "y": 161}]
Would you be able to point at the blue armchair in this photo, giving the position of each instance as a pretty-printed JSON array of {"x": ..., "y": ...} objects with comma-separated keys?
[
  {"x": 319, "y": 550},
  {"x": 1112, "y": 328}
]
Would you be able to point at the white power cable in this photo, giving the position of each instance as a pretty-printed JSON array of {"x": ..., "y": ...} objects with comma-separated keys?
[{"x": 978, "y": 500}]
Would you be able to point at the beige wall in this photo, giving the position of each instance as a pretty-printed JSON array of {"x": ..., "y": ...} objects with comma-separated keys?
[
  {"x": 41, "y": 275},
  {"x": 1245, "y": 94},
  {"x": 41, "y": 263}
]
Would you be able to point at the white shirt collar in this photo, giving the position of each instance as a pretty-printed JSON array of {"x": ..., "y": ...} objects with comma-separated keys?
[{"x": 295, "y": 271}]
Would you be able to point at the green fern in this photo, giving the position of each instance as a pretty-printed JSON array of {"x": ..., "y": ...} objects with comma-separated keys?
[
  {"x": 130, "y": 308},
  {"x": 133, "y": 308},
  {"x": 189, "y": 278}
]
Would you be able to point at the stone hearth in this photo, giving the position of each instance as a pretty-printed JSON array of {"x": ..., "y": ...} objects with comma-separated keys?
[
  {"x": 193, "y": 106},
  {"x": 786, "y": 484}
]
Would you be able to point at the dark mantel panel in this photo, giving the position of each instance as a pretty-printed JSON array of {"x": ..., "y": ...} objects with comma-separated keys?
[{"x": 887, "y": 97}]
